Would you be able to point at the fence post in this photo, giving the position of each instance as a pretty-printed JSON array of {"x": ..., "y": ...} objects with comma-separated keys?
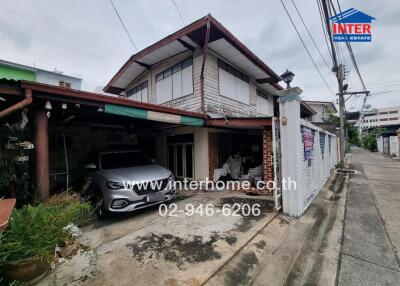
[{"x": 289, "y": 108}]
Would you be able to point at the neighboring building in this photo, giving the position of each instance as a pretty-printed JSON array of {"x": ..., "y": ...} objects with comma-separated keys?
[
  {"x": 14, "y": 71},
  {"x": 380, "y": 117},
  {"x": 353, "y": 117},
  {"x": 323, "y": 111}
]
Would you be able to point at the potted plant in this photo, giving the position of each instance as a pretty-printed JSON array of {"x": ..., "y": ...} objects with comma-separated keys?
[{"x": 27, "y": 246}]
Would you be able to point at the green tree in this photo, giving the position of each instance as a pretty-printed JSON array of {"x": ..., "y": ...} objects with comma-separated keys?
[
  {"x": 369, "y": 140},
  {"x": 334, "y": 119},
  {"x": 352, "y": 134}
]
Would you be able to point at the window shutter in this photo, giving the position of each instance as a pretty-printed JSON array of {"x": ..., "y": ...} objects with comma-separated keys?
[
  {"x": 177, "y": 84},
  {"x": 242, "y": 91},
  {"x": 144, "y": 95},
  {"x": 187, "y": 80},
  {"x": 160, "y": 91},
  {"x": 227, "y": 85},
  {"x": 167, "y": 89}
]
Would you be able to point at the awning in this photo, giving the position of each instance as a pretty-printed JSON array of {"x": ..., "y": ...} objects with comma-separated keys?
[{"x": 153, "y": 115}]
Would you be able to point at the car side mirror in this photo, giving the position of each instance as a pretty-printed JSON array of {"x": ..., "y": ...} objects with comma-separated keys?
[{"x": 90, "y": 166}]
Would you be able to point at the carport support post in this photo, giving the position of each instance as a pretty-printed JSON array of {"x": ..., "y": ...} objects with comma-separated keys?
[
  {"x": 42, "y": 155},
  {"x": 289, "y": 108}
]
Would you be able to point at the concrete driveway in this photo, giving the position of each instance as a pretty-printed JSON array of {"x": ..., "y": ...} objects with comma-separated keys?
[{"x": 145, "y": 248}]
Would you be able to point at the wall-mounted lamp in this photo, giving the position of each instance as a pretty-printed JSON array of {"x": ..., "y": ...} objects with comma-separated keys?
[{"x": 287, "y": 77}]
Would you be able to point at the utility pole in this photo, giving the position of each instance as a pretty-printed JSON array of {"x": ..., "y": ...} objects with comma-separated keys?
[
  {"x": 361, "y": 118},
  {"x": 339, "y": 70}
]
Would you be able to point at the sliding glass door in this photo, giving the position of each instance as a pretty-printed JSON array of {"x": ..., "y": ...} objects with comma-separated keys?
[{"x": 180, "y": 160}]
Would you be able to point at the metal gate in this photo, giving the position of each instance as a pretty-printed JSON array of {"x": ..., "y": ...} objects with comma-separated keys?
[{"x": 276, "y": 146}]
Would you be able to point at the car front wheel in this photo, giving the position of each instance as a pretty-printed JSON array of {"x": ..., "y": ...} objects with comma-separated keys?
[{"x": 101, "y": 211}]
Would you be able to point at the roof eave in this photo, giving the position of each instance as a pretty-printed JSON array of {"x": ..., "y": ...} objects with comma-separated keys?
[{"x": 183, "y": 32}]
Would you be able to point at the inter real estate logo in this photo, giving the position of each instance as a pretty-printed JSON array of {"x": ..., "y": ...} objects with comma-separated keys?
[{"x": 351, "y": 26}]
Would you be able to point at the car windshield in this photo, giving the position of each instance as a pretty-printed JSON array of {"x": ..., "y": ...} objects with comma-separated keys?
[{"x": 124, "y": 160}]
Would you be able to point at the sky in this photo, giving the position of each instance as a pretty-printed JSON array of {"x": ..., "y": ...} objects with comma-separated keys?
[{"x": 86, "y": 39}]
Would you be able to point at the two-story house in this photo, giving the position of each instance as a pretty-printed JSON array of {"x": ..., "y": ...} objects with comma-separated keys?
[{"x": 204, "y": 68}]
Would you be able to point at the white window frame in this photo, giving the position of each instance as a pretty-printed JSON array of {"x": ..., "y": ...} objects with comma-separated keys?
[
  {"x": 233, "y": 83},
  {"x": 175, "y": 82},
  {"x": 139, "y": 92}
]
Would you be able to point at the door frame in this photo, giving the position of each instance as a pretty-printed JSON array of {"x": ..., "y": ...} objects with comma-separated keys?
[{"x": 184, "y": 169}]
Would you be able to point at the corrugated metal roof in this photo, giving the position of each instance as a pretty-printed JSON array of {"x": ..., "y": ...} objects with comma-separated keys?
[{"x": 223, "y": 42}]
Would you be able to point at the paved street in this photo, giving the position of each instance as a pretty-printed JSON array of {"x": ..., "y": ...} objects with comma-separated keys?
[{"x": 372, "y": 222}]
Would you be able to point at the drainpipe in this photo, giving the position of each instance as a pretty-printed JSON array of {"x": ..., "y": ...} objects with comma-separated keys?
[
  {"x": 203, "y": 109},
  {"x": 20, "y": 105}
]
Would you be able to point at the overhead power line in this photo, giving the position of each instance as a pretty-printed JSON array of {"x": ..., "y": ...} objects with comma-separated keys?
[
  {"x": 305, "y": 47},
  {"x": 123, "y": 25},
  {"x": 179, "y": 11},
  {"x": 386, "y": 91},
  {"x": 384, "y": 83},
  {"x": 323, "y": 27},
  {"x": 350, "y": 49},
  {"x": 312, "y": 38}
]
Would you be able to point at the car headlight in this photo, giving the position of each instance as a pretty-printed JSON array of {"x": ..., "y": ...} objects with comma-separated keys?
[{"x": 114, "y": 185}]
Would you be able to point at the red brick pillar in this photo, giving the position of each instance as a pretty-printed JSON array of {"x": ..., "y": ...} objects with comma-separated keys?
[
  {"x": 212, "y": 154},
  {"x": 42, "y": 155},
  {"x": 267, "y": 154}
]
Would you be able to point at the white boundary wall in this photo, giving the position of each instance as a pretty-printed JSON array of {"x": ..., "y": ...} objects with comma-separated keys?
[
  {"x": 379, "y": 144},
  {"x": 315, "y": 175},
  {"x": 394, "y": 146},
  {"x": 309, "y": 176},
  {"x": 388, "y": 144}
]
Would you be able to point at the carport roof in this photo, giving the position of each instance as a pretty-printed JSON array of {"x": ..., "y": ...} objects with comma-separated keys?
[
  {"x": 53, "y": 92},
  {"x": 115, "y": 105}
]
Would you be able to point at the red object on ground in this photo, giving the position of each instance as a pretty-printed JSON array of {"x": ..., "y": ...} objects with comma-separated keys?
[{"x": 6, "y": 207}]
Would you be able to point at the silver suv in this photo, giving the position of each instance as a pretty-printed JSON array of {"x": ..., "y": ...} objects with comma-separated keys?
[{"x": 124, "y": 181}]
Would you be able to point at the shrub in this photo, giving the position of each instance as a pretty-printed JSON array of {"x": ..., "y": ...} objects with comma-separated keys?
[
  {"x": 369, "y": 140},
  {"x": 35, "y": 230}
]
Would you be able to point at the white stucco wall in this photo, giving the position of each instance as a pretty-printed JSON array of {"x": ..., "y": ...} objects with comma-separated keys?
[
  {"x": 314, "y": 175},
  {"x": 200, "y": 153},
  {"x": 309, "y": 176}
]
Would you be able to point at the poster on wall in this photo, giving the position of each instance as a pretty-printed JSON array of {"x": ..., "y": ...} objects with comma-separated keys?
[
  {"x": 308, "y": 142},
  {"x": 322, "y": 143}
]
